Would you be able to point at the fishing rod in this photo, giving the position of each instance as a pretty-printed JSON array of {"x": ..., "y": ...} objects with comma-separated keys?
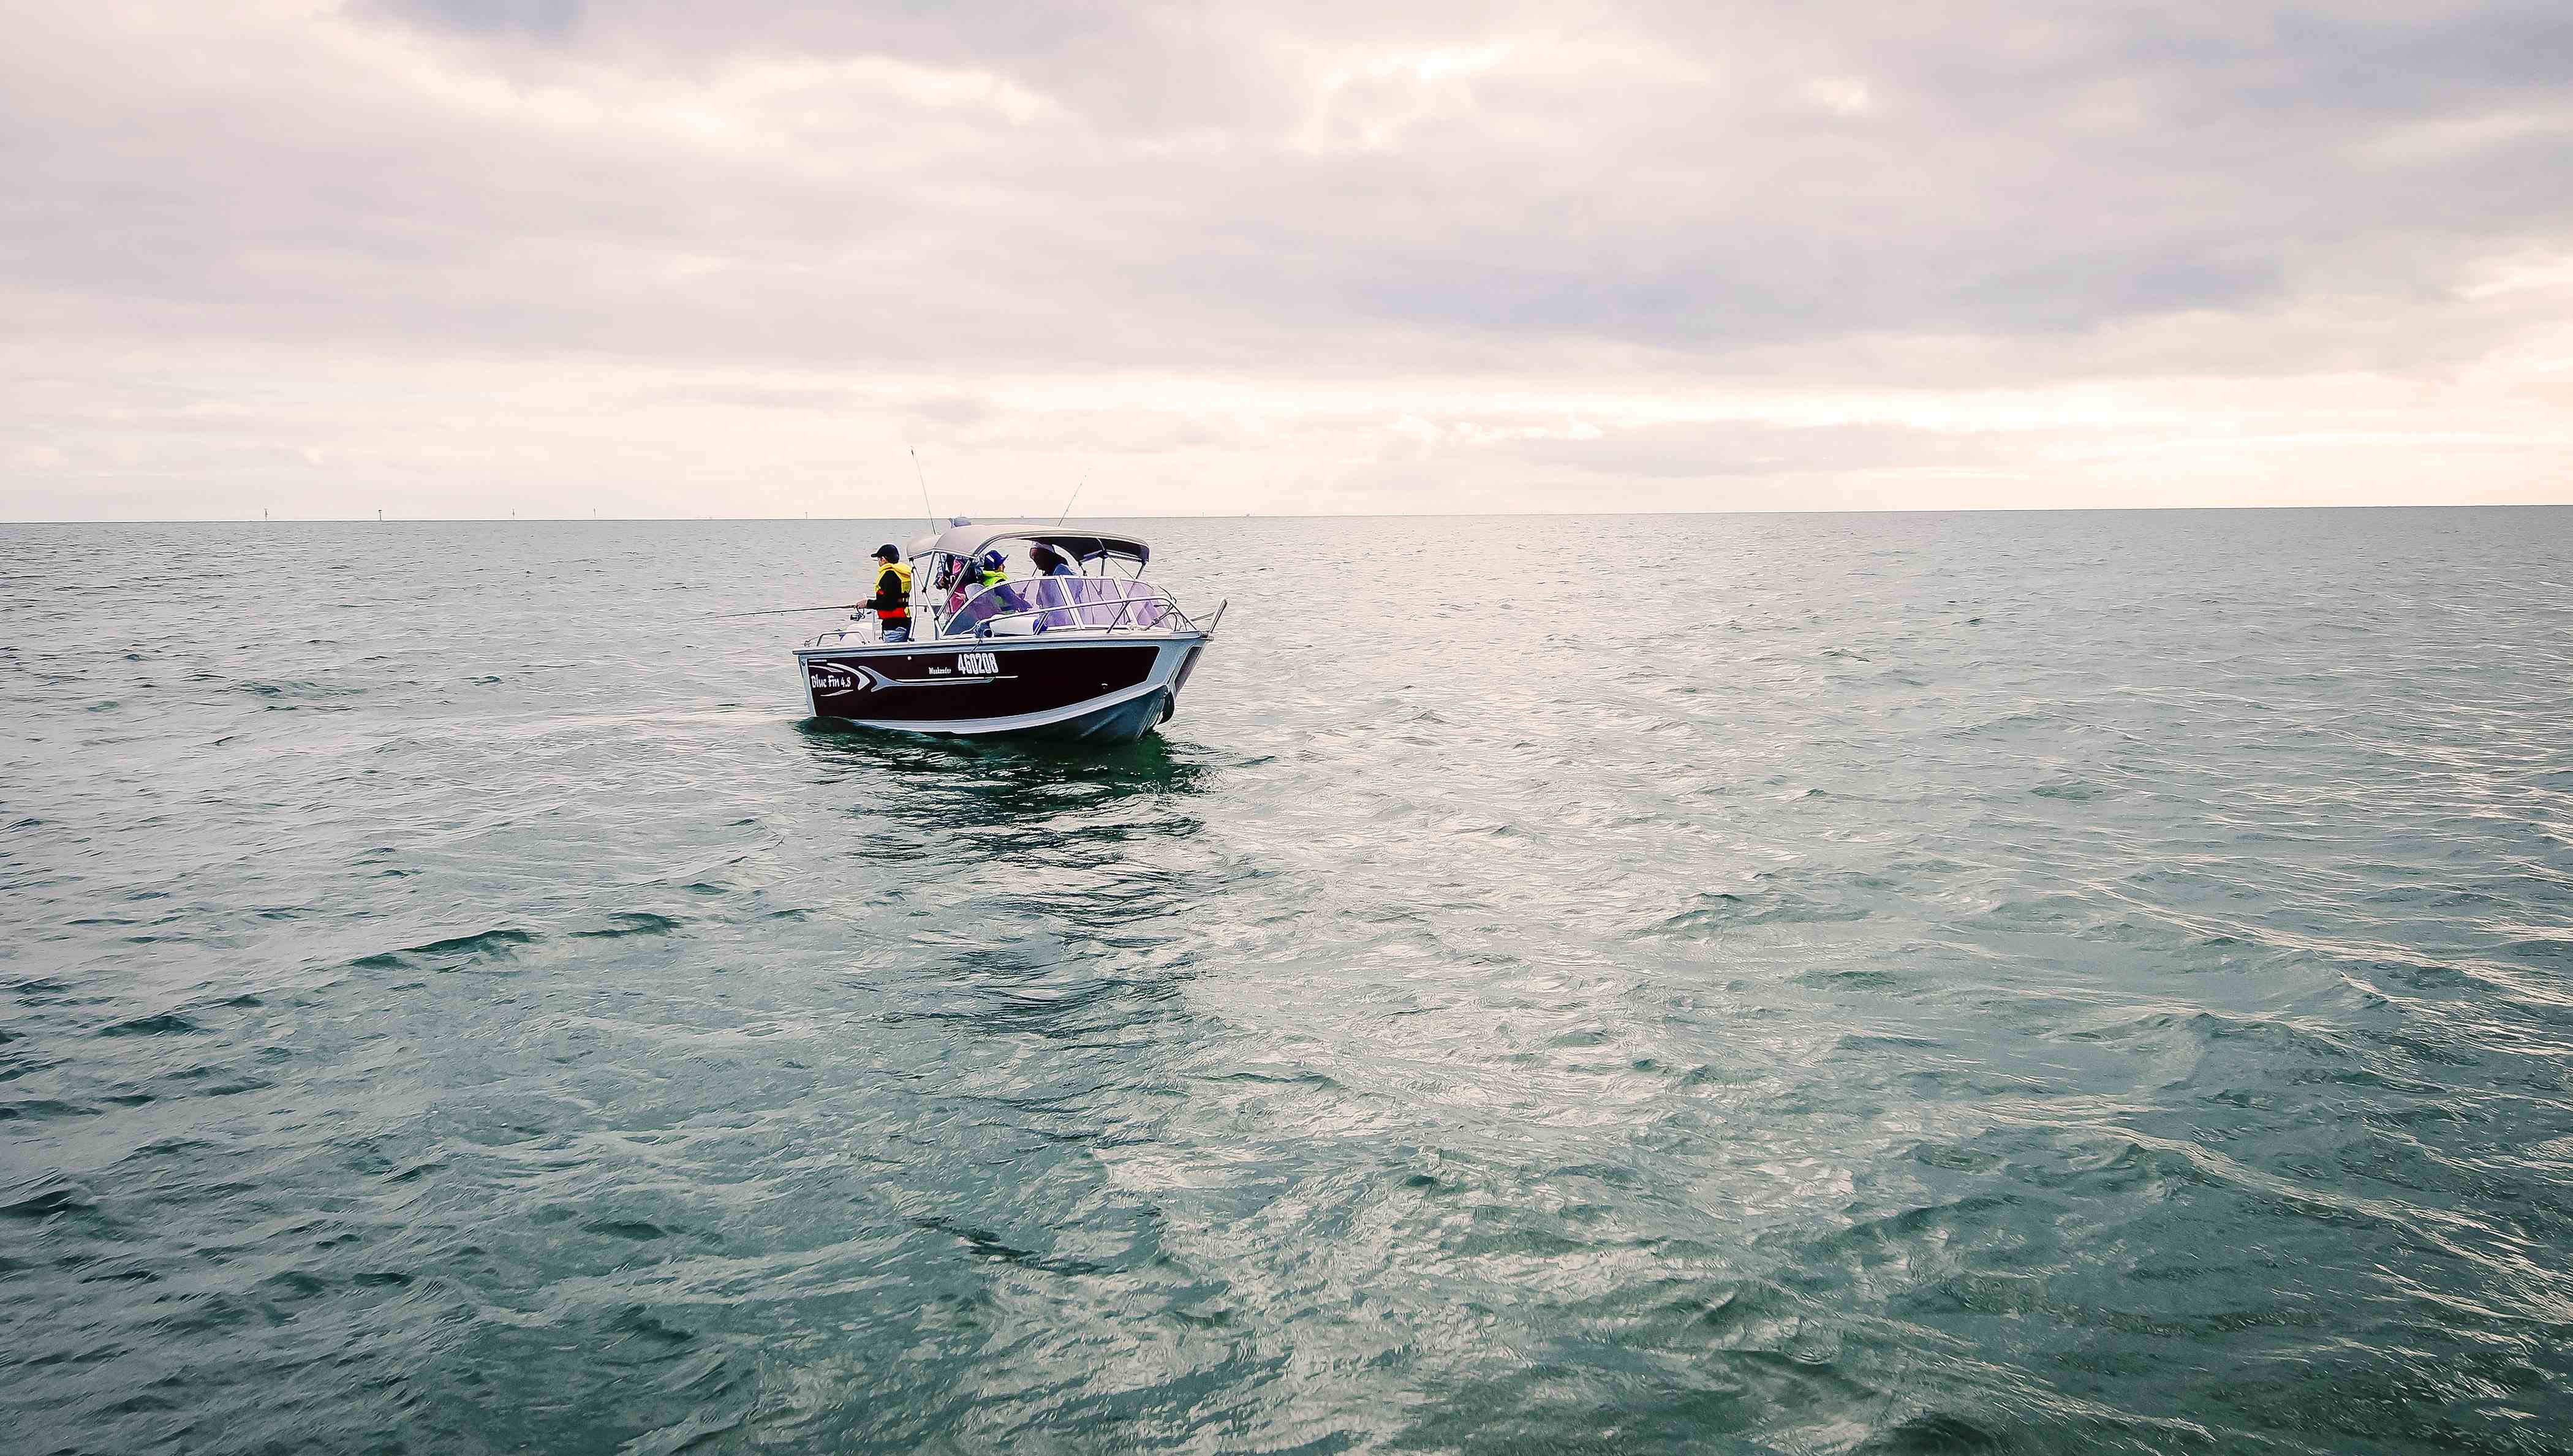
[
  {"x": 932, "y": 516},
  {"x": 788, "y": 611},
  {"x": 1067, "y": 506}
]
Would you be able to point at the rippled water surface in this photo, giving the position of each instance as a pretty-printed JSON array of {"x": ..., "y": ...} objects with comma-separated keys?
[{"x": 2036, "y": 983}]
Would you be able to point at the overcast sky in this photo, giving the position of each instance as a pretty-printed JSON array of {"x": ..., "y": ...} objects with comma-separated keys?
[{"x": 741, "y": 257}]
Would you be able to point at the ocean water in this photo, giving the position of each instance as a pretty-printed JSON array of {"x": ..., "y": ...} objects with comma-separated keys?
[{"x": 1833, "y": 984}]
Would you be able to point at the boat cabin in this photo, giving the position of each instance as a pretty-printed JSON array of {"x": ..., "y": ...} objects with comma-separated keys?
[{"x": 1098, "y": 585}]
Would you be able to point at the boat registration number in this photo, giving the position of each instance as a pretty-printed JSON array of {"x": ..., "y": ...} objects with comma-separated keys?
[{"x": 978, "y": 665}]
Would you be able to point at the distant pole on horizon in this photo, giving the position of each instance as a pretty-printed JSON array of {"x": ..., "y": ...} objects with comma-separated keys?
[{"x": 380, "y": 515}]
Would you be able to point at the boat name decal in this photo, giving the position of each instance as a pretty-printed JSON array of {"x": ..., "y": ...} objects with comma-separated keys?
[{"x": 831, "y": 677}]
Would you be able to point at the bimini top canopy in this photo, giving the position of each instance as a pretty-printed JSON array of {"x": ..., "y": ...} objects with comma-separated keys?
[{"x": 974, "y": 540}]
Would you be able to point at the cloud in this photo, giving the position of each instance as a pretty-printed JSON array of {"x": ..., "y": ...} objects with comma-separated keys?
[
  {"x": 926, "y": 209},
  {"x": 533, "y": 17}
]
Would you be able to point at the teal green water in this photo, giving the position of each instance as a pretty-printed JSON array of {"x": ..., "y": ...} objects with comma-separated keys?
[{"x": 1939, "y": 982}]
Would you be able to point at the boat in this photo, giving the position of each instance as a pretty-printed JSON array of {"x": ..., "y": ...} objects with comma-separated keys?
[{"x": 1098, "y": 656}]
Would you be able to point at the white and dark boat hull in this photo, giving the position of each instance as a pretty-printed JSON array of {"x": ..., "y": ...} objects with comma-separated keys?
[{"x": 1108, "y": 688}]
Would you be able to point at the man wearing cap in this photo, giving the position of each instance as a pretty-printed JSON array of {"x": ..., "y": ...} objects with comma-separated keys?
[{"x": 892, "y": 602}]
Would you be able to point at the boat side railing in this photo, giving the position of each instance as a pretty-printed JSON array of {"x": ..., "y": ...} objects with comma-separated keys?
[
  {"x": 1036, "y": 605},
  {"x": 1065, "y": 603},
  {"x": 862, "y": 630}
]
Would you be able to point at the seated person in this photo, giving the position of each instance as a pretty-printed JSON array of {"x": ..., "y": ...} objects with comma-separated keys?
[
  {"x": 1051, "y": 595},
  {"x": 956, "y": 581},
  {"x": 986, "y": 592}
]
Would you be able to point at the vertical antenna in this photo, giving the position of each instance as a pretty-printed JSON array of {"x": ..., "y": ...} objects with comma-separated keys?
[{"x": 924, "y": 491}]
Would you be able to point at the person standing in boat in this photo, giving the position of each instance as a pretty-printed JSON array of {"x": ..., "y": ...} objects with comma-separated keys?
[{"x": 892, "y": 602}]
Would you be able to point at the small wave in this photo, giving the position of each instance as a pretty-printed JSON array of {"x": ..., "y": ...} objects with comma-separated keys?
[
  {"x": 61, "y": 1198},
  {"x": 44, "y": 1110},
  {"x": 1716, "y": 911},
  {"x": 986, "y": 1246},
  {"x": 632, "y": 923},
  {"x": 638, "y": 1322},
  {"x": 1936, "y": 1433},
  {"x": 492, "y": 945},
  {"x": 168, "y": 1024},
  {"x": 295, "y": 689},
  {"x": 636, "y": 1229}
]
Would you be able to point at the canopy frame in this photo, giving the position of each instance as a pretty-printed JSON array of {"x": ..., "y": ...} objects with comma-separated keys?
[{"x": 968, "y": 540}]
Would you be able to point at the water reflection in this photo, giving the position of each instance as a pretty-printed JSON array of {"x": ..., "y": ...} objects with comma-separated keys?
[
  {"x": 964, "y": 783},
  {"x": 1062, "y": 879}
]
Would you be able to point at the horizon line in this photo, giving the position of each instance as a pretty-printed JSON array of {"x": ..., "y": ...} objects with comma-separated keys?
[{"x": 596, "y": 519}]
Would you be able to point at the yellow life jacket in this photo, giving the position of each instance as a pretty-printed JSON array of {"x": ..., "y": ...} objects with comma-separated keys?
[{"x": 901, "y": 591}]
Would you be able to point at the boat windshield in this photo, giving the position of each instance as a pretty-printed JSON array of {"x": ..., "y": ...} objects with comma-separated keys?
[{"x": 1050, "y": 603}]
